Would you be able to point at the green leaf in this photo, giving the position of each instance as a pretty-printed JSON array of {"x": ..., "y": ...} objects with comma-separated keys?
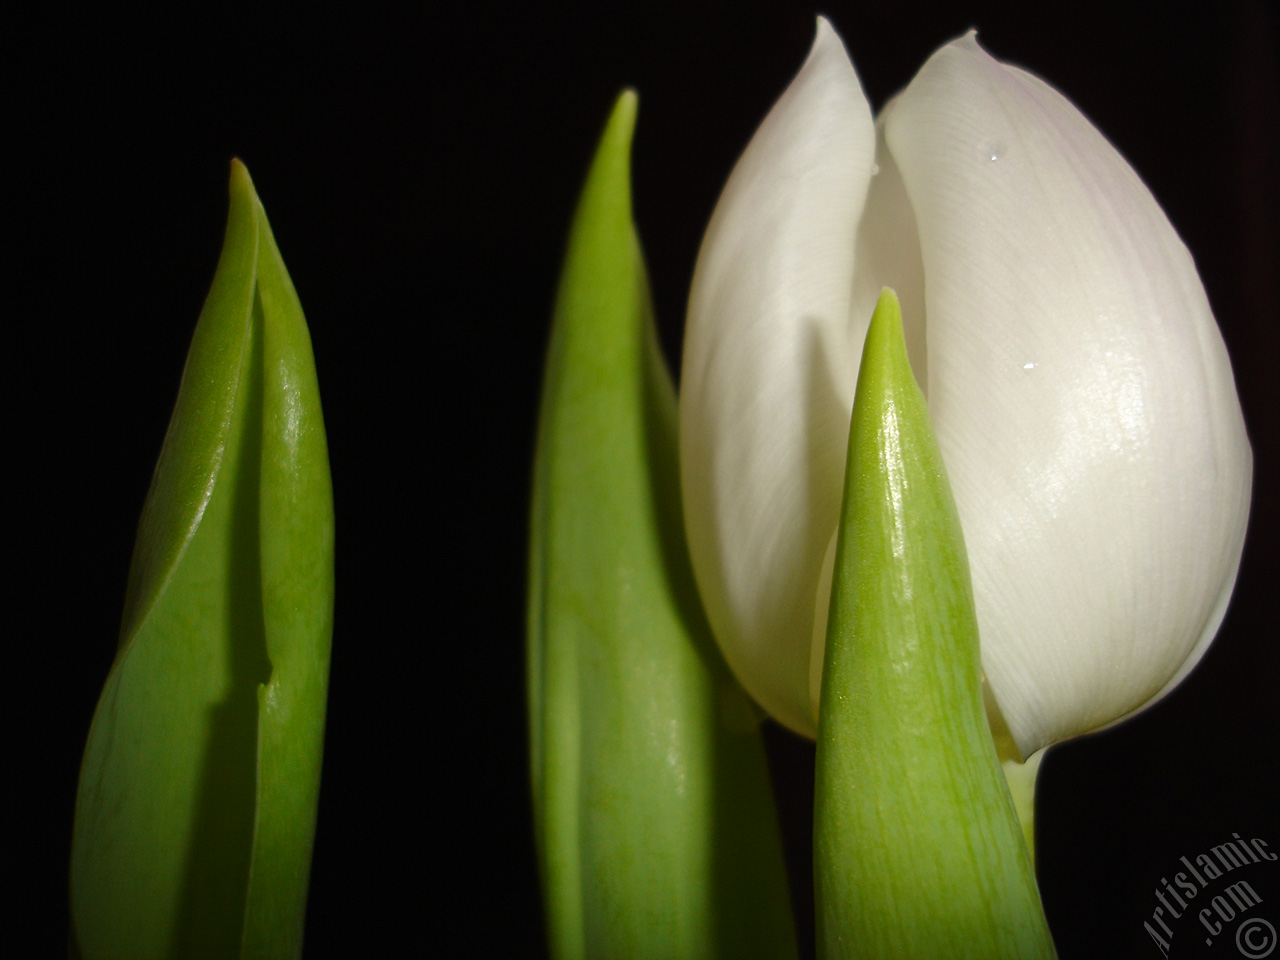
[
  {"x": 655, "y": 824},
  {"x": 196, "y": 808},
  {"x": 918, "y": 852}
]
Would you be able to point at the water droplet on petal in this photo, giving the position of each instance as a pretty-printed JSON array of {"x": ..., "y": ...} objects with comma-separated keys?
[
  {"x": 875, "y": 168},
  {"x": 1028, "y": 366},
  {"x": 994, "y": 149}
]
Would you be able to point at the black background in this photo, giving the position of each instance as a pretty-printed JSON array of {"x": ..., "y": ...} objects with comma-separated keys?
[{"x": 419, "y": 171}]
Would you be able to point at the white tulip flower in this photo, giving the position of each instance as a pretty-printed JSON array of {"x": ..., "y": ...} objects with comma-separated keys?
[{"x": 1078, "y": 384}]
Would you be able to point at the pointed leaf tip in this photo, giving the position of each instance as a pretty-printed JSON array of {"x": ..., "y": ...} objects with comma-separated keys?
[
  {"x": 886, "y": 345},
  {"x": 654, "y": 819},
  {"x": 918, "y": 853}
]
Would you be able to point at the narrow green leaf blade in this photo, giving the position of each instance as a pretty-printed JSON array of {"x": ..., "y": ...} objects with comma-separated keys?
[
  {"x": 170, "y": 791},
  {"x": 296, "y": 540},
  {"x": 655, "y": 823},
  {"x": 918, "y": 852}
]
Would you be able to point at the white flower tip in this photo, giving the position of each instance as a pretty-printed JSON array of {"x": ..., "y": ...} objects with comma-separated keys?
[
  {"x": 826, "y": 42},
  {"x": 968, "y": 43}
]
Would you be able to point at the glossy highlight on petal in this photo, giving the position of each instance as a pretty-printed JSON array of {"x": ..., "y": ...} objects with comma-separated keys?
[{"x": 1081, "y": 394}]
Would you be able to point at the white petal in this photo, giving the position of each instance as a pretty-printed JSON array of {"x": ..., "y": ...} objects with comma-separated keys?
[
  {"x": 768, "y": 372},
  {"x": 1081, "y": 393}
]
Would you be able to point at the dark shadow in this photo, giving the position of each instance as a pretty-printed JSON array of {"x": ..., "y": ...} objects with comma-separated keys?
[{"x": 792, "y": 766}]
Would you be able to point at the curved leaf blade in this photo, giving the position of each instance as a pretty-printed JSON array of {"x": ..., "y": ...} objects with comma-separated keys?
[{"x": 655, "y": 822}]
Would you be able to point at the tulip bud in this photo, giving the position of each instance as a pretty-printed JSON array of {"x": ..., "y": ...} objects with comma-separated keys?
[
  {"x": 1077, "y": 382},
  {"x": 198, "y": 789}
]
